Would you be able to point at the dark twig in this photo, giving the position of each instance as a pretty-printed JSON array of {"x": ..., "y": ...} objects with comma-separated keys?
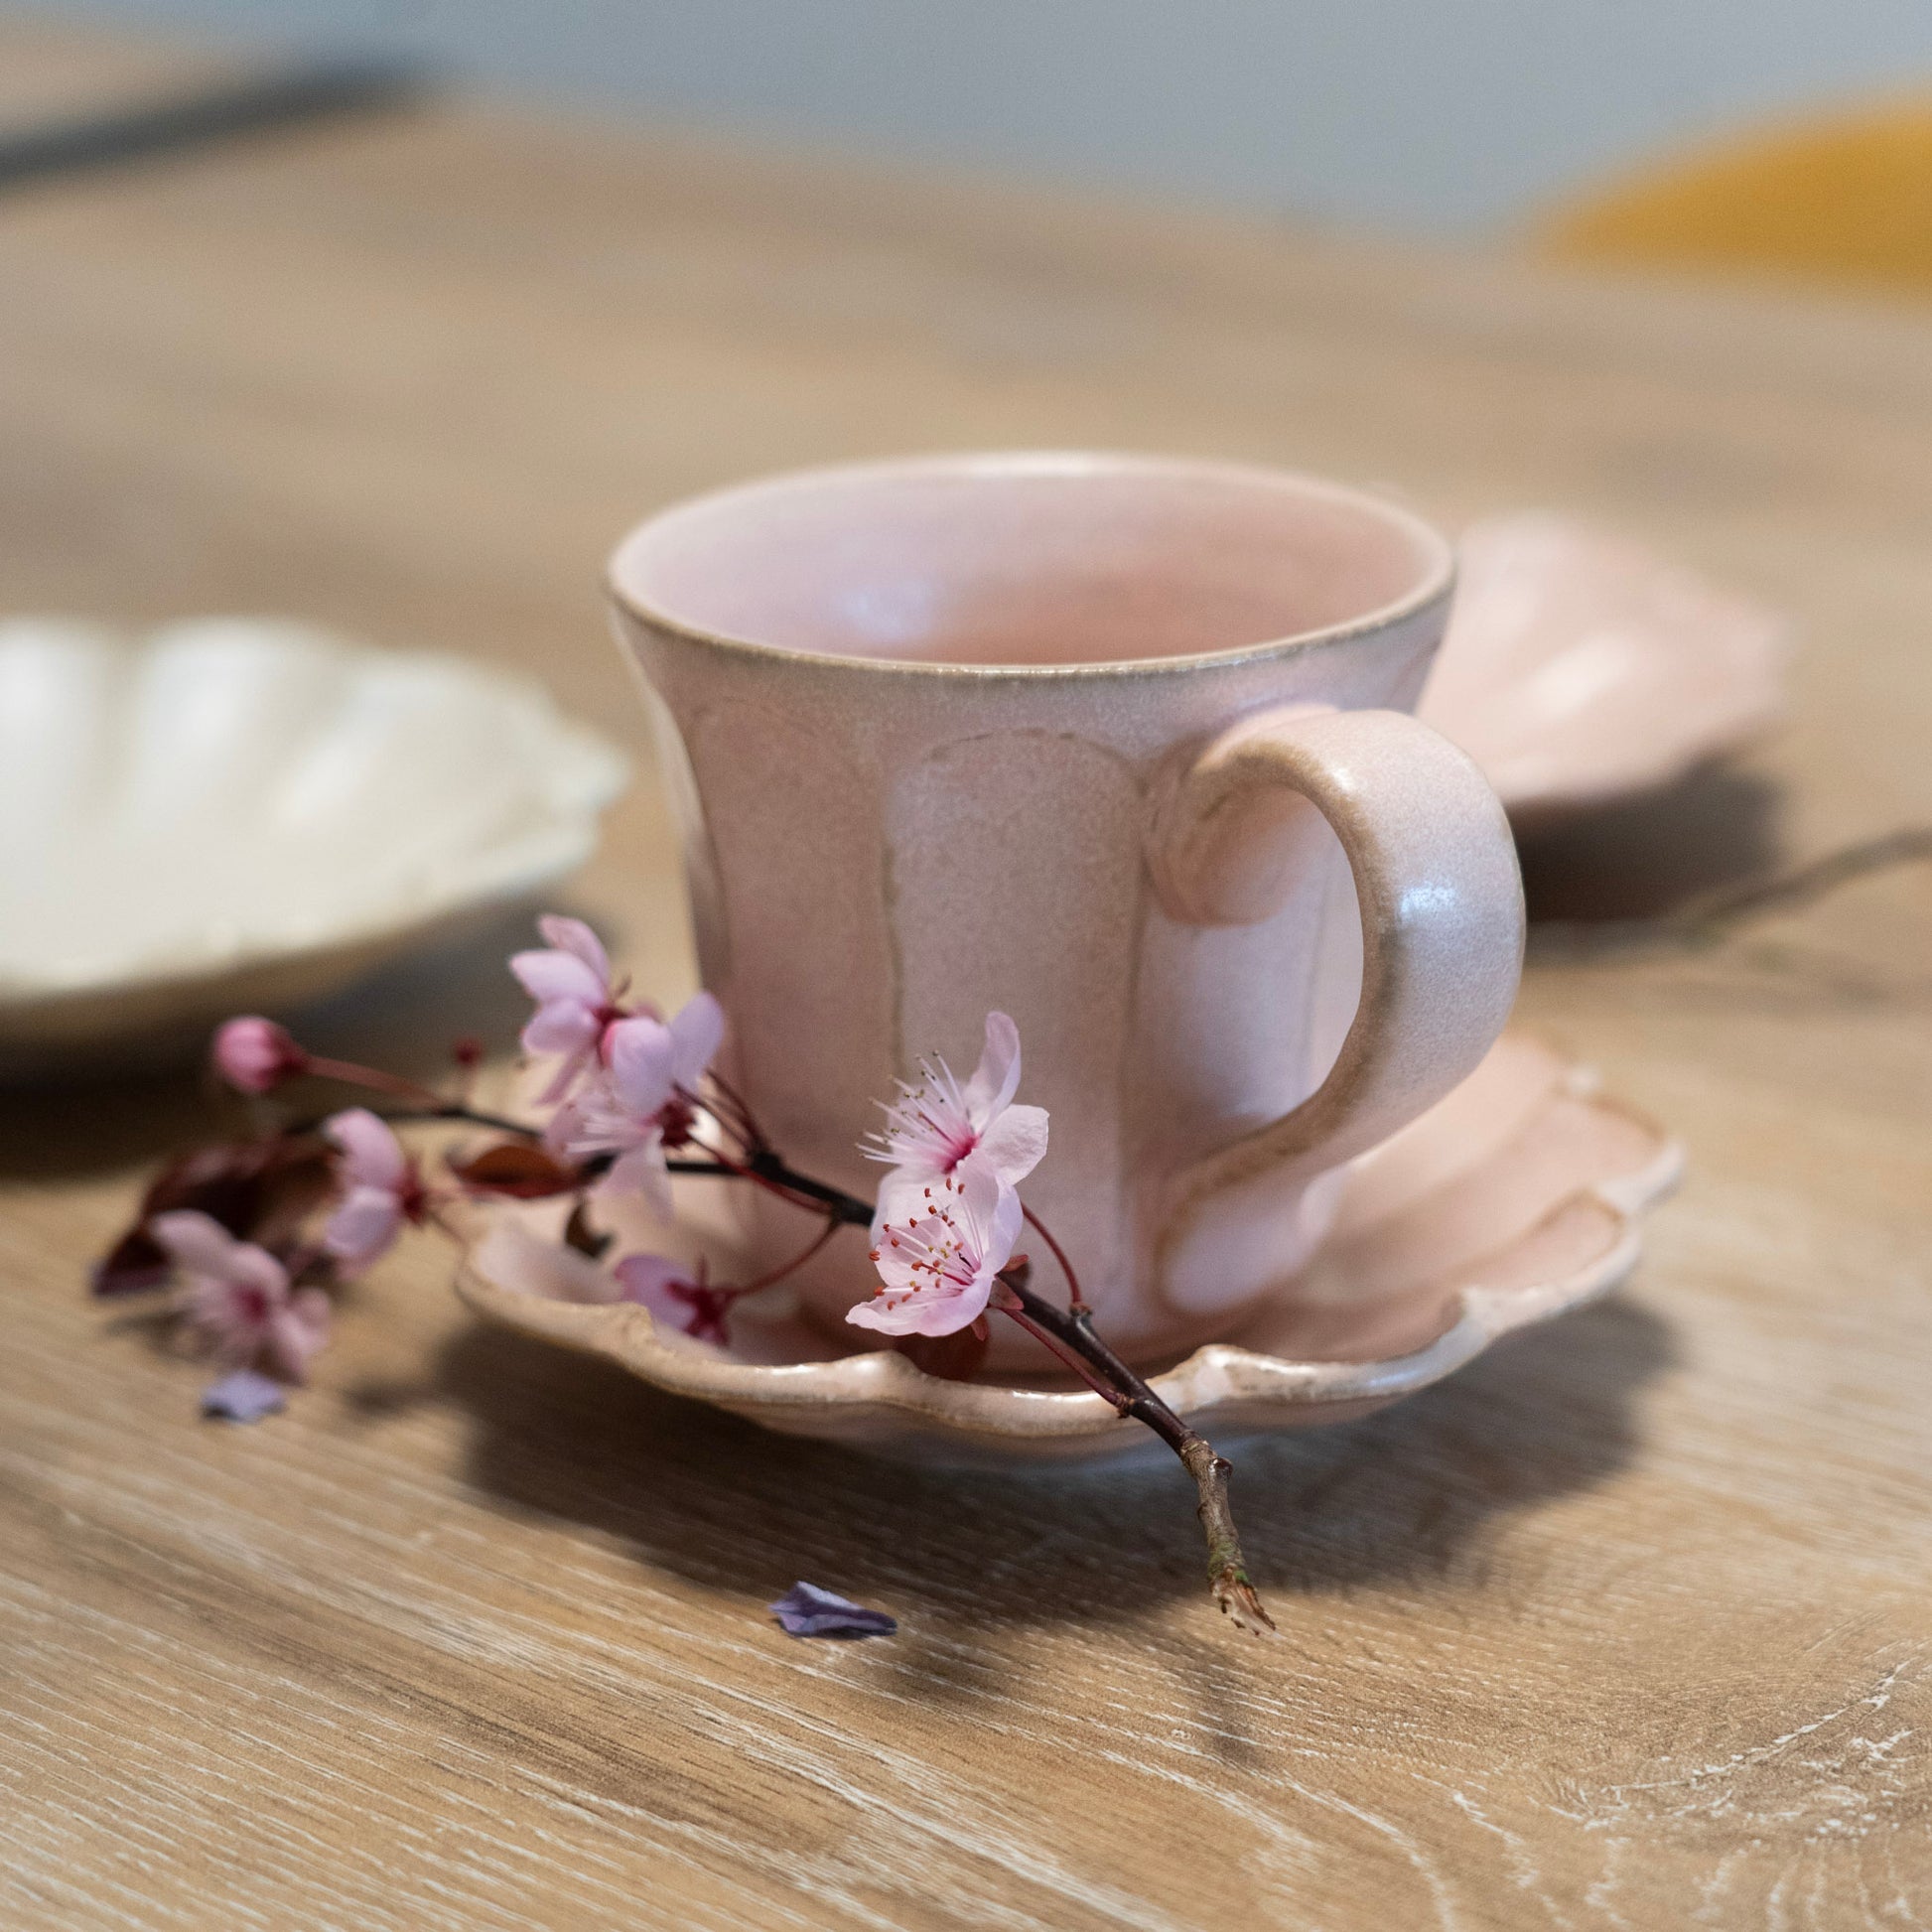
[
  {"x": 450, "y": 1110},
  {"x": 1016, "y": 1271},
  {"x": 767, "y": 1171},
  {"x": 767, "y": 1165},
  {"x": 1072, "y": 1335},
  {"x": 1067, "y": 1334},
  {"x": 1713, "y": 917},
  {"x": 1227, "y": 1569},
  {"x": 745, "y": 1123},
  {"x": 1077, "y": 1303},
  {"x": 256, "y": 104}
]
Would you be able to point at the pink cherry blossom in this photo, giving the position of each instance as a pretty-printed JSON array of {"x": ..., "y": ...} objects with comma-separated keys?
[
  {"x": 939, "y": 1124},
  {"x": 577, "y": 1000},
  {"x": 255, "y": 1056},
  {"x": 643, "y": 1095},
  {"x": 676, "y": 1297},
  {"x": 936, "y": 1264},
  {"x": 379, "y": 1188},
  {"x": 237, "y": 1298}
]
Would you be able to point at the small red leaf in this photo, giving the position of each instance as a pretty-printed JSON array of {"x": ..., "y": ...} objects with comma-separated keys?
[
  {"x": 259, "y": 1191},
  {"x": 519, "y": 1170},
  {"x": 134, "y": 1263},
  {"x": 586, "y": 1240}
]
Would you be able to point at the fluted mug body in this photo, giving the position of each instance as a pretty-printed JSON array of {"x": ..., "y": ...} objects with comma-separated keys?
[{"x": 972, "y": 734}]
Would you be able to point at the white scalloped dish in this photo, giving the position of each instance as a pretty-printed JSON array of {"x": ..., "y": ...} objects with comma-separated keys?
[
  {"x": 1512, "y": 1201},
  {"x": 244, "y": 814},
  {"x": 1581, "y": 671}
]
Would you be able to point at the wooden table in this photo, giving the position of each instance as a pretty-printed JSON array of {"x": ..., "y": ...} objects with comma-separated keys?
[{"x": 1629, "y": 1625}]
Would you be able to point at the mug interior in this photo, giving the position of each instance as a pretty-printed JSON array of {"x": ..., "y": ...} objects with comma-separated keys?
[{"x": 1029, "y": 560}]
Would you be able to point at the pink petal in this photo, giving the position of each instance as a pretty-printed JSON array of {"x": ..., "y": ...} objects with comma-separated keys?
[
  {"x": 697, "y": 1031},
  {"x": 297, "y": 1333},
  {"x": 364, "y": 1226},
  {"x": 561, "y": 1130},
  {"x": 1002, "y": 1227},
  {"x": 217, "y": 1316},
  {"x": 665, "y": 1289},
  {"x": 209, "y": 1255},
  {"x": 372, "y": 1153},
  {"x": 989, "y": 1212},
  {"x": 1015, "y": 1144},
  {"x": 903, "y": 1197},
  {"x": 569, "y": 1069},
  {"x": 980, "y": 1217},
  {"x": 194, "y": 1240},
  {"x": 915, "y": 1152},
  {"x": 561, "y": 1026},
  {"x": 997, "y": 1077},
  {"x": 252, "y": 1267},
  {"x": 925, "y": 1313},
  {"x": 648, "y": 1278},
  {"x": 643, "y": 1060},
  {"x": 548, "y": 976},
  {"x": 233, "y": 1311},
  {"x": 573, "y": 936},
  {"x": 641, "y": 1171}
]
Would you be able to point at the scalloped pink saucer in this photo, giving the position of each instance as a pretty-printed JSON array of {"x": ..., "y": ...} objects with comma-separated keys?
[
  {"x": 1512, "y": 1201},
  {"x": 1581, "y": 670}
]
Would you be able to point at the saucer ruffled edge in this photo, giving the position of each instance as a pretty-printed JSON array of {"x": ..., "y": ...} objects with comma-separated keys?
[{"x": 1585, "y": 1244}]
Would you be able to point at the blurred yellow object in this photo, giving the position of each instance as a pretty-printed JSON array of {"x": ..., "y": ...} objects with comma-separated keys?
[{"x": 1848, "y": 199}]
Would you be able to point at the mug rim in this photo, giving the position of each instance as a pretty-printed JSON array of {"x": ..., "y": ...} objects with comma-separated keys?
[{"x": 1437, "y": 554}]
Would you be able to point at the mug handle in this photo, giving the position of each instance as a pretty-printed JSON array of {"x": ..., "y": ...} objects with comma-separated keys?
[{"x": 1441, "y": 910}]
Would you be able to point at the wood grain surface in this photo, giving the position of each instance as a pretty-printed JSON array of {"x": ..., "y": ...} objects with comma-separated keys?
[{"x": 1629, "y": 1625}]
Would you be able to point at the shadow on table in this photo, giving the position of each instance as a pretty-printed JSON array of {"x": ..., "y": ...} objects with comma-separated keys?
[
  {"x": 1407, "y": 1494},
  {"x": 403, "y": 1018},
  {"x": 1715, "y": 828}
]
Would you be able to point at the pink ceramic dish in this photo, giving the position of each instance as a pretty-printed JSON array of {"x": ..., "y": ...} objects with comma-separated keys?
[
  {"x": 1581, "y": 670},
  {"x": 1513, "y": 1201}
]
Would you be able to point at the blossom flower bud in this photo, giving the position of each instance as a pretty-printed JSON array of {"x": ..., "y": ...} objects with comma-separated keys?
[{"x": 255, "y": 1056}]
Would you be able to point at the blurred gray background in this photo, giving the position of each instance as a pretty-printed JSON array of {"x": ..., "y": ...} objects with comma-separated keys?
[{"x": 1439, "y": 116}]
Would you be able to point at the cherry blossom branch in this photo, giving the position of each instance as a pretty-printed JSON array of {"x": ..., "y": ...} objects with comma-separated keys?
[
  {"x": 1070, "y": 1334},
  {"x": 775, "y": 1275},
  {"x": 351, "y": 1074},
  {"x": 1227, "y": 1569},
  {"x": 765, "y": 1169},
  {"x": 765, "y": 1165},
  {"x": 631, "y": 1096},
  {"x": 1081, "y": 1366},
  {"x": 450, "y": 1110},
  {"x": 1076, "y": 1302},
  {"x": 751, "y": 1132}
]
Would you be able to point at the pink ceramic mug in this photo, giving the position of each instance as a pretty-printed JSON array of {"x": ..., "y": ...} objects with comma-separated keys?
[{"x": 1122, "y": 747}]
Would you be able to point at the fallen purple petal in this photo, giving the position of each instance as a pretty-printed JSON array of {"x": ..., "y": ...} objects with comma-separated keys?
[
  {"x": 805, "y": 1610},
  {"x": 244, "y": 1396}
]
